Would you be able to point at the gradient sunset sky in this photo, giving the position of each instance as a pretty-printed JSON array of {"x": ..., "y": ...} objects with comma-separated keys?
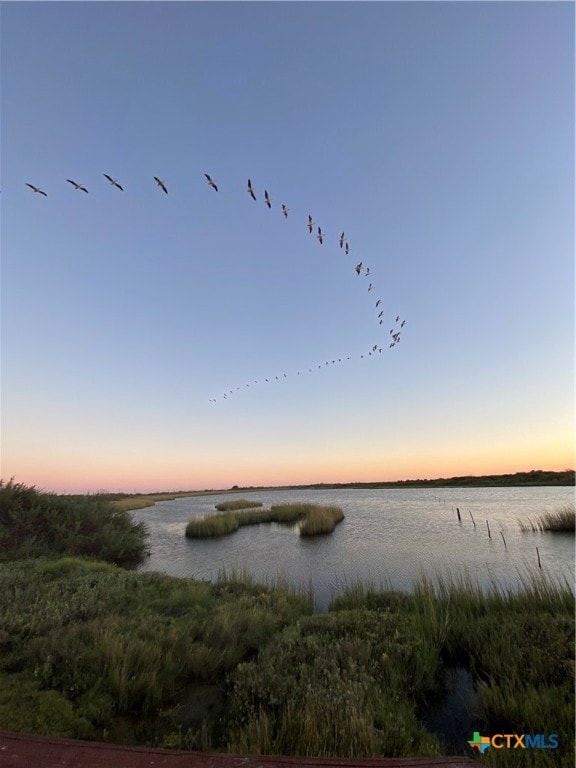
[{"x": 438, "y": 136}]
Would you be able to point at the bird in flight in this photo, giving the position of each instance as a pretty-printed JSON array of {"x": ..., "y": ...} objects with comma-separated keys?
[
  {"x": 378, "y": 302},
  {"x": 285, "y": 211},
  {"x": 211, "y": 181},
  {"x": 358, "y": 267},
  {"x": 114, "y": 182},
  {"x": 267, "y": 199},
  {"x": 310, "y": 224},
  {"x": 347, "y": 249},
  {"x": 36, "y": 189},
  {"x": 160, "y": 184},
  {"x": 250, "y": 190},
  {"x": 370, "y": 287},
  {"x": 319, "y": 236},
  {"x": 342, "y": 240},
  {"x": 77, "y": 186}
]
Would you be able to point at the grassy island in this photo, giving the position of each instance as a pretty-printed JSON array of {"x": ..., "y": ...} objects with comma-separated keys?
[
  {"x": 314, "y": 519},
  {"x": 231, "y": 506}
]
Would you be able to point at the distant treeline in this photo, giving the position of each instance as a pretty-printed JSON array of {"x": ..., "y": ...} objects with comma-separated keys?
[{"x": 534, "y": 477}]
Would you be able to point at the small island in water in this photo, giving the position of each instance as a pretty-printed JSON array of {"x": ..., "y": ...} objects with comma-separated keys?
[{"x": 313, "y": 519}]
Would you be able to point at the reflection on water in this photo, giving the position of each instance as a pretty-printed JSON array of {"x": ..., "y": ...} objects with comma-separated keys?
[{"x": 390, "y": 536}]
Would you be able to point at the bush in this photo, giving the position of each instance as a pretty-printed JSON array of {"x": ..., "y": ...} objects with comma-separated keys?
[{"x": 36, "y": 524}]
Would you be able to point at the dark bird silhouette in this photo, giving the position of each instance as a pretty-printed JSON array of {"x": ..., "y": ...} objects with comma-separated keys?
[
  {"x": 285, "y": 211},
  {"x": 347, "y": 249},
  {"x": 114, "y": 182},
  {"x": 160, "y": 184},
  {"x": 319, "y": 236},
  {"x": 211, "y": 182},
  {"x": 397, "y": 318},
  {"x": 250, "y": 190},
  {"x": 358, "y": 267},
  {"x": 342, "y": 239},
  {"x": 370, "y": 287},
  {"x": 36, "y": 189},
  {"x": 267, "y": 199},
  {"x": 77, "y": 186},
  {"x": 402, "y": 323},
  {"x": 310, "y": 224}
]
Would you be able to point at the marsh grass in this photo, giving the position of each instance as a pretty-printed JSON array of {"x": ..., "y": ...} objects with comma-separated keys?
[
  {"x": 561, "y": 521},
  {"x": 314, "y": 520},
  {"x": 212, "y": 526},
  {"x": 90, "y": 650},
  {"x": 231, "y": 506}
]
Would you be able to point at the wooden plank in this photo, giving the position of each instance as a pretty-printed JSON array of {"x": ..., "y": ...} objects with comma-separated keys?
[{"x": 19, "y": 750}]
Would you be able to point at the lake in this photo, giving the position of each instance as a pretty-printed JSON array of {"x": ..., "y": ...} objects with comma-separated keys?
[{"x": 389, "y": 536}]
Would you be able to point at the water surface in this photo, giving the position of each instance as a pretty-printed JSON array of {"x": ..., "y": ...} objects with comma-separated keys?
[{"x": 389, "y": 536}]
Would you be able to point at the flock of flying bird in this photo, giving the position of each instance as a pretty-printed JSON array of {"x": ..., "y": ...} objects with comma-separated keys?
[{"x": 361, "y": 269}]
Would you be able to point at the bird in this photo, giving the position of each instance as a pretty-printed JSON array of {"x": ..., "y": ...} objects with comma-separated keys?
[
  {"x": 250, "y": 190},
  {"x": 36, "y": 189},
  {"x": 402, "y": 323},
  {"x": 113, "y": 182},
  {"x": 367, "y": 271},
  {"x": 211, "y": 182},
  {"x": 310, "y": 224},
  {"x": 347, "y": 249},
  {"x": 285, "y": 211},
  {"x": 397, "y": 318},
  {"x": 160, "y": 184},
  {"x": 77, "y": 186},
  {"x": 378, "y": 302},
  {"x": 342, "y": 239},
  {"x": 358, "y": 267},
  {"x": 267, "y": 199},
  {"x": 370, "y": 287},
  {"x": 319, "y": 236},
  {"x": 381, "y": 313}
]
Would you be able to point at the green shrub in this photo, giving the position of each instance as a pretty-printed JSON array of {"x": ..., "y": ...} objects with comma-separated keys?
[{"x": 35, "y": 524}]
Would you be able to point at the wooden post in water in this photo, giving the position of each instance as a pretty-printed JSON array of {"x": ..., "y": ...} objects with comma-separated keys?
[
  {"x": 458, "y": 513},
  {"x": 472, "y": 519},
  {"x": 487, "y": 526},
  {"x": 539, "y": 563},
  {"x": 503, "y": 539}
]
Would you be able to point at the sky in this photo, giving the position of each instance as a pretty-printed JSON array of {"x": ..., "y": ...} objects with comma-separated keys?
[{"x": 139, "y": 327}]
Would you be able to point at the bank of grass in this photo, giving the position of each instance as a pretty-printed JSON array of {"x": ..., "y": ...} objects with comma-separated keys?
[
  {"x": 314, "y": 519},
  {"x": 231, "y": 506},
  {"x": 561, "y": 521}
]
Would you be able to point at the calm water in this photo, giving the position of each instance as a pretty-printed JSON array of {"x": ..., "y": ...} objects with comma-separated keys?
[{"x": 388, "y": 536}]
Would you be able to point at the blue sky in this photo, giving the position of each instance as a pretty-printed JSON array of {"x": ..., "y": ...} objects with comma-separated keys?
[{"x": 438, "y": 136}]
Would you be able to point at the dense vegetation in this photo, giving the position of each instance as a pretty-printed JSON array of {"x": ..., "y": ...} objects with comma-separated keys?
[
  {"x": 34, "y": 524},
  {"x": 89, "y": 650},
  {"x": 314, "y": 519}
]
